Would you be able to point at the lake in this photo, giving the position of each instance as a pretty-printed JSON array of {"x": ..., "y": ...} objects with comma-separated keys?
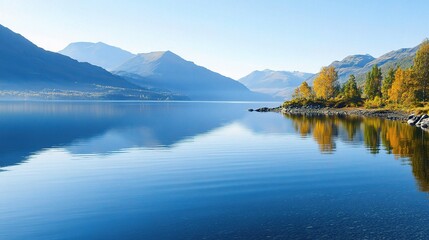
[{"x": 207, "y": 170}]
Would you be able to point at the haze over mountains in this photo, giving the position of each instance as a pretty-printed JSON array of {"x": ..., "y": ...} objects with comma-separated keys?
[
  {"x": 99, "y": 54},
  {"x": 27, "y": 71},
  {"x": 279, "y": 84},
  {"x": 30, "y": 72},
  {"x": 359, "y": 65},
  {"x": 164, "y": 70}
]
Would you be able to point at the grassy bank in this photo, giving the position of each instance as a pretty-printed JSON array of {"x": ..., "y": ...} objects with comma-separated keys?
[{"x": 421, "y": 108}]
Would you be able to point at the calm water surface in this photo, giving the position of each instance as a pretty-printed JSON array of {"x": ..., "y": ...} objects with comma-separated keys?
[{"x": 182, "y": 170}]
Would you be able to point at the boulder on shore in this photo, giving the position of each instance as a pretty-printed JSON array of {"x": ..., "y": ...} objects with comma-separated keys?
[
  {"x": 424, "y": 124},
  {"x": 413, "y": 119},
  {"x": 422, "y": 119}
]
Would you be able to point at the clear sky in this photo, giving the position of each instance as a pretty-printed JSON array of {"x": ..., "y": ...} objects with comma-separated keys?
[{"x": 232, "y": 37}]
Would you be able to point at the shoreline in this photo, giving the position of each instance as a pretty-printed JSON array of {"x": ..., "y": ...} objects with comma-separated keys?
[{"x": 360, "y": 112}]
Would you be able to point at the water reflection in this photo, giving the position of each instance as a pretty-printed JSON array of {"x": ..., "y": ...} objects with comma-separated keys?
[
  {"x": 97, "y": 127},
  {"x": 219, "y": 170},
  {"x": 405, "y": 142}
]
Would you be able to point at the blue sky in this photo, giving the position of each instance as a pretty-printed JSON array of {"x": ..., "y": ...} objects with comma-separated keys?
[{"x": 230, "y": 37}]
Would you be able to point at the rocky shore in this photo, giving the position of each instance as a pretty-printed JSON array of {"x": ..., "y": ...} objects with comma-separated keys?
[
  {"x": 421, "y": 121},
  {"x": 315, "y": 111}
]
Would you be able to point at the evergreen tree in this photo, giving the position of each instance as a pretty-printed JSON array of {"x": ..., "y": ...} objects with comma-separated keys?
[
  {"x": 350, "y": 89},
  {"x": 387, "y": 83},
  {"x": 373, "y": 83},
  {"x": 421, "y": 70}
]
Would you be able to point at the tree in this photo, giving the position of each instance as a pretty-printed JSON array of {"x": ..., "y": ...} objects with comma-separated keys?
[
  {"x": 303, "y": 91},
  {"x": 326, "y": 83},
  {"x": 350, "y": 89},
  {"x": 421, "y": 70},
  {"x": 403, "y": 88},
  {"x": 373, "y": 83},
  {"x": 387, "y": 83}
]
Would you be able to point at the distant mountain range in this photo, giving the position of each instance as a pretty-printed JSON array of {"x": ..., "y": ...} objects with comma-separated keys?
[
  {"x": 163, "y": 70},
  {"x": 30, "y": 72},
  {"x": 359, "y": 65},
  {"x": 99, "y": 54},
  {"x": 27, "y": 71},
  {"x": 279, "y": 84}
]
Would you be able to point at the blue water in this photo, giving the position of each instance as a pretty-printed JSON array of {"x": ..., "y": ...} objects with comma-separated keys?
[{"x": 207, "y": 170}]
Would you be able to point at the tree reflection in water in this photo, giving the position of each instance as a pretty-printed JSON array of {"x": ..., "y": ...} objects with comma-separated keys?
[{"x": 403, "y": 141}]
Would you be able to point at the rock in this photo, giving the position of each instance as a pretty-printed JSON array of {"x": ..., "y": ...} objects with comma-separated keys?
[
  {"x": 264, "y": 109},
  {"x": 412, "y": 121},
  {"x": 422, "y": 119},
  {"x": 250, "y": 110},
  {"x": 424, "y": 123}
]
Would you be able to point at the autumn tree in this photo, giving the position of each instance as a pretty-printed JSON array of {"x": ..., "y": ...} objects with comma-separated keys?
[
  {"x": 421, "y": 70},
  {"x": 404, "y": 87},
  {"x": 387, "y": 83},
  {"x": 350, "y": 89},
  {"x": 326, "y": 83},
  {"x": 303, "y": 91},
  {"x": 373, "y": 83}
]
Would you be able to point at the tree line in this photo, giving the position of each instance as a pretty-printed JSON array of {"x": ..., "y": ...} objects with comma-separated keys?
[{"x": 404, "y": 87}]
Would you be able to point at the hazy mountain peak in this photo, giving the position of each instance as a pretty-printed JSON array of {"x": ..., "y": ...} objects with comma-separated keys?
[
  {"x": 358, "y": 60},
  {"x": 279, "y": 84},
  {"x": 360, "y": 64},
  {"x": 165, "y": 69},
  {"x": 99, "y": 54},
  {"x": 158, "y": 55},
  {"x": 23, "y": 65}
]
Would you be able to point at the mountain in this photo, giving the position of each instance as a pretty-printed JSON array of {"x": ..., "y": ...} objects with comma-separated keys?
[
  {"x": 27, "y": 71},
  {"x": 359, "y": 65},
  {"x": 166, "y": 70},
  {"x": 99, "y": 54},
  {"x": 349, "y": 65},
  {"x": 279, "y": 84},
  {"x": 401, "y": 58}
]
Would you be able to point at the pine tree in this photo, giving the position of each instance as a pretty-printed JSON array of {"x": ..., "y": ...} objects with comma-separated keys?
[
  {"x": 350, "y": 89},
  {"x": 387, "y": 83},
  {"x": 421, "y": 70},
  {"x": 373, "y": 83}
]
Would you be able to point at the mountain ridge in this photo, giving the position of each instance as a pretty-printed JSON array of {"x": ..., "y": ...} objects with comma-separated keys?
[
  {"x": 167, "y": 70},
  {"x": 279, "y": 84},
  {"x": 102, "y": 54},
  {"x": 402, "y": 57},
  {"x": 27, "y": 70}
]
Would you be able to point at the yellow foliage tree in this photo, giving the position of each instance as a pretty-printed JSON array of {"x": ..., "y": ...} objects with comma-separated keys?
[
  {"x": 326, "y": 83},
  {"x": 404, "y": 88},
  {"x": 303, "y": 91}
]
